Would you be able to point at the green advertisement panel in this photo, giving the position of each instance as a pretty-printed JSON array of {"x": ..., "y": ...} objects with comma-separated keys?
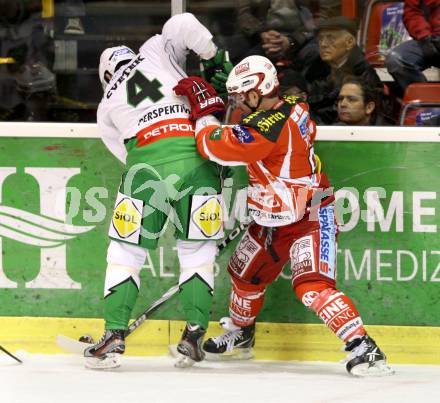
[{"x": 56, "y": 201}]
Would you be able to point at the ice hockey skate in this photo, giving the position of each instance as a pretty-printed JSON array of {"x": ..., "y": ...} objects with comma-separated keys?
[
  {"x": 235, "y": 343},
  {"x": 106, "y": 354},
  {"x": 366, "y": 359},
  {"x": 190, "y": 346}
]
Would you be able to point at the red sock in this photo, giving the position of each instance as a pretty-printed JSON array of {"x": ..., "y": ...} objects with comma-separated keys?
[
  {"x": 335, "y": 308},
  {"x": 245, "y": 302}
]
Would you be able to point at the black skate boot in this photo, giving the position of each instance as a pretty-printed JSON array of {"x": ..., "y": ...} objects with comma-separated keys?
[
  {"x": 107, "y": 352},
  {"x": 190, "y": 346},
  {"x": 235, "y": 343},
  {"x": 365, "y": 358}
]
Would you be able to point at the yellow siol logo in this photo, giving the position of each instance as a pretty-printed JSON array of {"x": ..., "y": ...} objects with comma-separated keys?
[
  {"x": 208, "y": 217},
  {"x": 126, "y": 218}
]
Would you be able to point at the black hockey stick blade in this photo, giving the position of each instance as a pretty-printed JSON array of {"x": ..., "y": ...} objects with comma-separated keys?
[{"x": 11, "y": 355}]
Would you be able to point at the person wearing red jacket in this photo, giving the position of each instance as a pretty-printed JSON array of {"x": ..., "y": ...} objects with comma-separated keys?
[
  {"x": 407, "y": 61},
  {"x": 290, "y": 202}
]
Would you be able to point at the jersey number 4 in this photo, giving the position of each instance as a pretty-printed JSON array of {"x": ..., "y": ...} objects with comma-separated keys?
[{"x": 140, "y": 87}]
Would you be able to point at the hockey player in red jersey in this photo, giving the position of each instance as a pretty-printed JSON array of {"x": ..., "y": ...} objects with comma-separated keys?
[{"x": 291, "y": 204}]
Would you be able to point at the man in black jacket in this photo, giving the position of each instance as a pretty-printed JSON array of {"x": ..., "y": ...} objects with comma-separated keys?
[{"x": 339, "y": 56}]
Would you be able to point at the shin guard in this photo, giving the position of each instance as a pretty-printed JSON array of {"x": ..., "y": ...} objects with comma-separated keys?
[
  {"x": 245, "y": 302},
  {"x": 196, "y": 290},
  {"x": 339, "y": 314},
  {"x": 335, "y": 309},
  {"x": 121, "y": 290}
]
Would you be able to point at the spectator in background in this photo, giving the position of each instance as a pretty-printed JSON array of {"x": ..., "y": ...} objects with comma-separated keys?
[
  {"x": 339, "y": 56},
  {"x": 282, "y": 30},
  {"x": 358, "y": 104},
  {"x": 270, "y": 25},
  {"x": 407, "y": 61}
]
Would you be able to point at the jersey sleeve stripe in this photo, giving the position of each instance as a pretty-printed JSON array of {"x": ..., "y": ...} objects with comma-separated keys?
[{"x": 213, "y": 158}]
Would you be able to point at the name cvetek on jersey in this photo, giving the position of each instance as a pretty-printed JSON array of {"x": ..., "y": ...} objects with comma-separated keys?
[{"x": 124, "y": 74}]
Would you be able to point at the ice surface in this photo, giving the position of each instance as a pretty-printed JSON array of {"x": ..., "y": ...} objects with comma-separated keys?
[{"x": 63, "y": 379}]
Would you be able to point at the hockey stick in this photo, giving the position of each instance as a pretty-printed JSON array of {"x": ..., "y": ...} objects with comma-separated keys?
[
  {"x": 152, "y": 308},
  {"x": 77, "y": 347},
  {"x": 11, "y": 355},
  {"x": 232, "y": 235},
  {"x": 173, "y": 290}
]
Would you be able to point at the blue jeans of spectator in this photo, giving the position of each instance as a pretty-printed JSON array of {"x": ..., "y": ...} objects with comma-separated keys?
[
  {"x": 406, "y": 63},
  {"x": 74, "y": 8}
]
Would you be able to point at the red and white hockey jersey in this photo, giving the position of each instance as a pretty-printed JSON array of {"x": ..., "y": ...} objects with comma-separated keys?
[{"x": 277, "y": 147}]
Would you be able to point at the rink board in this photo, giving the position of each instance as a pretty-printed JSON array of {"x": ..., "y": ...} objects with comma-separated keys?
[
  {"x": 274, "y": 341},
  {"x": 390, "y": 266}
]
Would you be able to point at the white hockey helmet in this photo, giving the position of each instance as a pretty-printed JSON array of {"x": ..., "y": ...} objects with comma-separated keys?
[
  {"x": 110, "y": 61},
  {"x": 253, "y": 73}
]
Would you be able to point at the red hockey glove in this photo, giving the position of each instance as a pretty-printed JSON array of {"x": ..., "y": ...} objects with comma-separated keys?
[{"x": 201, "y": 96}]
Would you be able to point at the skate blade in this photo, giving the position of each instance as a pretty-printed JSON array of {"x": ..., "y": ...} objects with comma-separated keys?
[
  {"x": 237, "y": 354},
  {"x": 380, "y": 368},
  {"x": 110, "y": 361},
  {"x": 183, "y": 361}
]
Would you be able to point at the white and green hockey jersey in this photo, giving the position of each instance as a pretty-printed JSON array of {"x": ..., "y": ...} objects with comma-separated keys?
[{"x": 139, "y": 112}]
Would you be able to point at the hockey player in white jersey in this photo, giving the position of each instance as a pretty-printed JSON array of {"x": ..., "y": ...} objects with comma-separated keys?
[
  {"x": 112, "y": 60},
  {"x": 149, "y": 129}
]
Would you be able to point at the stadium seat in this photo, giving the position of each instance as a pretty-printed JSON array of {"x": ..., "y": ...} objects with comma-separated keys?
[
  {"x": 349, "y": 9},
  {"x": 382, "y": 29},
  {"x": 421, "y": 103}
]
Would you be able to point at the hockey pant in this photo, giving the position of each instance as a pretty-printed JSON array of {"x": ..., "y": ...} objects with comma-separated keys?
[
  {"x": 311, "y": 248},
  {"x": 122, "y": 281}
]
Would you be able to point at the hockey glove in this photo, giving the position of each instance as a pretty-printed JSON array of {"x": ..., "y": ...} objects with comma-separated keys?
[
  {"x": 216, "y": 71},
  {"x": 219, "y": 79},
  {"x": 201, "y": 96}
]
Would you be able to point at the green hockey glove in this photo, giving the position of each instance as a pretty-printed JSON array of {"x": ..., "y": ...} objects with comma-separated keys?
[{"x": 216, "y": 71}]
